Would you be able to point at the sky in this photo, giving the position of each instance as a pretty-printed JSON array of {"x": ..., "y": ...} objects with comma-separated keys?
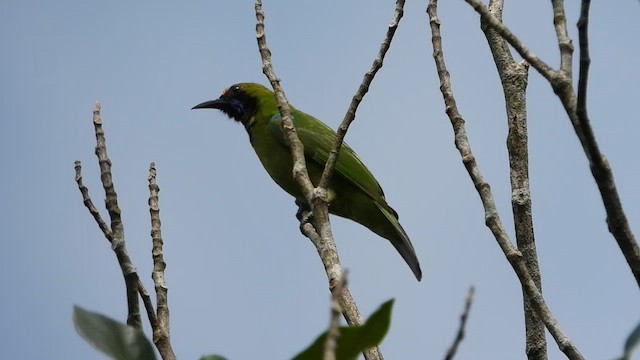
[{"x": 243, "y": 282}]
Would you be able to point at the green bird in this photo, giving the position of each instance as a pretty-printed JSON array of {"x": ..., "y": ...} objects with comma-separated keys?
[{"x": 354, "y": 193}]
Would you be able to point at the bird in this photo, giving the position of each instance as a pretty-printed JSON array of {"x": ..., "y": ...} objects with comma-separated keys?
[{"x": 354, "y": 193}]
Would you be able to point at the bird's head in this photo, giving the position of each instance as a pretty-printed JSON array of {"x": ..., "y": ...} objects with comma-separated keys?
[{"x": 240, "y": 101}]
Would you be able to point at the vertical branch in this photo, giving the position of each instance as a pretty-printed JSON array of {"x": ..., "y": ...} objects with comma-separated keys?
[
  {"x": 585, "y": 59},
  {"x": 513, "y": 76},
  {"x": 117, "y": 229},
  {"x": 517, "y": 143},
  {"x": 564, "y": 42},
  {"x": 161, "y": 336},
  {"x": 492, "y": 218}
]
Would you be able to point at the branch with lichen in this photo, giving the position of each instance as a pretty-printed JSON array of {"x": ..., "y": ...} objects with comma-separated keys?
[
  {"x": 492, "y": 218},
  {"x": 514, "y": 78},
  {"x": 562, "y": 84}
]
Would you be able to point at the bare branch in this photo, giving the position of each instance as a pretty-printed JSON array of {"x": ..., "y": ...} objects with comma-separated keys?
[
  {"x": 451, "y": 352},
  {"x": 148, "y": 305},
  {"x": 107, "y": 233},
  {"x": 513, "y": 76},
  {"x": 159, "y": 323},
  {"x": 117, "y": 238},
  {"x": 561, "y": 83},
  {"x": 585, "y": 59},
  {"x": 86, "y": 199},
  {"x": 600, "y": 169},
  {"x": 492, "y": 218},
  {"x": 161, "y": 336},
  {"x": 564, "y": 42},
  {"x": 357, "y": 98}
]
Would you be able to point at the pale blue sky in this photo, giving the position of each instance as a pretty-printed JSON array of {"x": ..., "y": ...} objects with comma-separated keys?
[{"x": 243, "y": 281}]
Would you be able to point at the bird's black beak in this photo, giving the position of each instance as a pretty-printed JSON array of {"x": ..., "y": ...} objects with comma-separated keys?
[
  {"x": 231, "y": 107},
  {"x": 211, "y": 104}
]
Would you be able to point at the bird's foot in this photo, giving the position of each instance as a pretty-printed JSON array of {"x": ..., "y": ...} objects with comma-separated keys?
[{"x": 304, "y": 212}]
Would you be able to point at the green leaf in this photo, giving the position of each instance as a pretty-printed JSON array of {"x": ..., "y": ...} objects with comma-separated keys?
[
  {"x": 116, "y": 340},
  {"x": 213, "y": 357},
  {"x": 354, "y": 339},
  {"x": 633, "y": 340}
]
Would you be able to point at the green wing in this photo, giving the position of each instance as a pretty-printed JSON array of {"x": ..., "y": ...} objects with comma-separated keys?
[{"x": 318, "y": 139}]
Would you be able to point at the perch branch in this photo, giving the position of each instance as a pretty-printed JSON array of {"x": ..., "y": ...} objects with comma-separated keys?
[
  {"x": 316, "y": 197},
  {"x": 492, "y": 218}
]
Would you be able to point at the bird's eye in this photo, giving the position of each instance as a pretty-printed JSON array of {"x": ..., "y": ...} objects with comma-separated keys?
[{"x": 231, "y": 91}]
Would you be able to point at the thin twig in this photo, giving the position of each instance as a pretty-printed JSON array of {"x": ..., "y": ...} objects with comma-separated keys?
[
  {"x": 161, "y": 331},
  {"x": 451, "y": 352},
  {"x": 513, "y": 76},
  {"x": 148, "y": 305},
  {"x": 86, "y": 199},
  {"x": 333, "y": 334},
  {"x": 316, "y": 197},
  {"x": 492, "y": 218},
  {"x": 357, "y": 98}
]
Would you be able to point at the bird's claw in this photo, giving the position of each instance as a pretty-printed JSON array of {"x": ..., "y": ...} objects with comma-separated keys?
[{"x": 304, "y": 212}]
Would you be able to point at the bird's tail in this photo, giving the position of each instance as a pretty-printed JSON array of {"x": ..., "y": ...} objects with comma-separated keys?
[{"x": 401, "y": 241}]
